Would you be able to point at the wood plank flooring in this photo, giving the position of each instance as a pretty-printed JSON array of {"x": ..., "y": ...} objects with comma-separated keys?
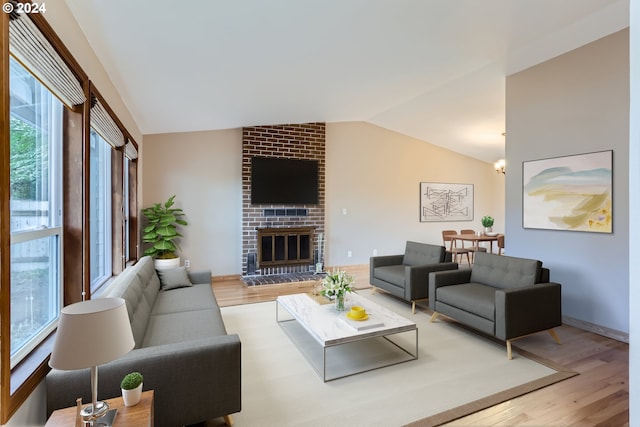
[{"x": 599, "y": 396}]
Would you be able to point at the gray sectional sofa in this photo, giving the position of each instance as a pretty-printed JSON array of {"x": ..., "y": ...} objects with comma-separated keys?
[
  {"x": 181, "y": 348},
  {"x": 505, "y": 297},
  {"x": 407, "y": 275}
]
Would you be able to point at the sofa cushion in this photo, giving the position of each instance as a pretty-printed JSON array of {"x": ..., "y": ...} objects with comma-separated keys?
[
  {"x": 146, "y": 270},
  {"x": 504, "y": 272},
  {"x": 422, "y": 254},
  {"x": 474, "y": 298},
  {"x": 129, "y": 287},
  {"x": 196, "y": 297},
  {"x": 174, "y": 278},
  {"x": 390, "y": 273},
  {"x": 183, "y": 326}
]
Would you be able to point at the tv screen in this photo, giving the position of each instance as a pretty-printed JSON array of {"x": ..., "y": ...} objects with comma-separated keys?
[{"x": 284, "y": 181}]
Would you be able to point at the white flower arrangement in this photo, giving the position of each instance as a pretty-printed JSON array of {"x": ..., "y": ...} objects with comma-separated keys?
[{"x": 337, "y": 284}]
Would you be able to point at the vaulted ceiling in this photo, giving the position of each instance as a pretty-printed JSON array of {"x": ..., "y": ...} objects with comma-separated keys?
[{"x": 431, "y": 69}]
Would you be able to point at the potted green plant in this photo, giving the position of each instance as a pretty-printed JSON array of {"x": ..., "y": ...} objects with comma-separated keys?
[
  {"x": 161, "y": 232},
  {"x": 487, "y": 223},
  {"x": 131, "y": 386}
]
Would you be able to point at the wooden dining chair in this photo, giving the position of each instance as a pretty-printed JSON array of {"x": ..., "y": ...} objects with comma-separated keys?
[
  {"x": 473, "y": 248},
  {"x": 451, "y": 246},
  {"x": 500, "y": 243}
]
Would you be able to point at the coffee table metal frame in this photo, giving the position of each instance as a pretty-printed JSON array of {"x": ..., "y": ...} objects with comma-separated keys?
[{"x": 323, "y": 324}]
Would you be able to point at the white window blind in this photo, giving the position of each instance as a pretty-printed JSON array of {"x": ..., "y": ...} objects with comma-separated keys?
[
  {"x": 130, "y": 151},
  {"x": 106, "y": 127},
  {"x": 32, "y": 49}
]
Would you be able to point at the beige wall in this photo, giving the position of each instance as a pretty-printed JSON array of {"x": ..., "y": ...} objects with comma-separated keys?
[
  {"x": 375, "y": 175},
  {"x": 372, "y": 172},
  {"x": 203, "y": 170}
]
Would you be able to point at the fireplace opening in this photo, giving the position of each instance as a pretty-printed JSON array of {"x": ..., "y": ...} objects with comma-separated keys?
[{"x": 285, "y": 246}]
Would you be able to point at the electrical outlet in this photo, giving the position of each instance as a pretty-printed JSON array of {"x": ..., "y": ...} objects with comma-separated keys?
[
  {"x": 187, "y": 263},
  {"x": 349, "y": 254},
  {"x": 375, "y": 252}
]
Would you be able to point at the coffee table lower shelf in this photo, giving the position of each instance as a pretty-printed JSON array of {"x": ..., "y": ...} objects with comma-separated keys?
[{"x": 349, "y": 353}]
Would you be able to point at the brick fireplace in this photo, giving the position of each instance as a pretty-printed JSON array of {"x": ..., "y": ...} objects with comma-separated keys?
[{"x": 295, "y": 141}]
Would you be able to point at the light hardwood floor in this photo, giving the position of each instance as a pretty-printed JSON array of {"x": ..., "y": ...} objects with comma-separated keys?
[{"x": 599, "y": 396}]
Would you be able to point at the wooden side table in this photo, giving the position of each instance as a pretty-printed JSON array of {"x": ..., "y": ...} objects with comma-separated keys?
[{"x": 127, "y": 416}]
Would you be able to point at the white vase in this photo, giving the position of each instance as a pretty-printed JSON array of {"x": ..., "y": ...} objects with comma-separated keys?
[
  {"x": 132, "y": 397},
  {"x": 488, "y": 230},
  {"x": 161, "y": 263}
]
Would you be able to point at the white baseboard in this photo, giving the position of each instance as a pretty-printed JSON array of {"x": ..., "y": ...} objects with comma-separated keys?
[{"x": 596, "y": 329}]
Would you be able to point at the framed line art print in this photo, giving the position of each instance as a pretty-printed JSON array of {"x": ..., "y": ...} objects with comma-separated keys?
[
  {"x": 446, "y": 202},
  {"x": 572, "y": 193}
]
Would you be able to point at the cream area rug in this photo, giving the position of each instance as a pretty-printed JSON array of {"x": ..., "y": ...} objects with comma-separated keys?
[{"x": 457, "y": 372}]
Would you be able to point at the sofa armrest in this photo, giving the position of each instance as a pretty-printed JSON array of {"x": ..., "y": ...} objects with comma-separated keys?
[
  {"x": 445, "y": 278},
  {"x": 201, "y": 377},
  {"x": 379, "y": 261},
  {"x": 417, "y": 278},
  {"x": 200, "y": 276},
  {"x": 523, "y": 311}
]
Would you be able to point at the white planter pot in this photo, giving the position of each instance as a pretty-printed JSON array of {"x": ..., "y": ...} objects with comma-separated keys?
[
  {"x": 166, "y": 263},
  {"x": 488, "y": 230},
  {"x": 132, "y": 397}
]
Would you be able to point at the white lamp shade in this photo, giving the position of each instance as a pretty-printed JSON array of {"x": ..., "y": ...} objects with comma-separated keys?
[{"x": 91, "y": 333}]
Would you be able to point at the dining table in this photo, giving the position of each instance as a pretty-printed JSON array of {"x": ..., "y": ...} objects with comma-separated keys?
[{"x": 475, "y": 238}]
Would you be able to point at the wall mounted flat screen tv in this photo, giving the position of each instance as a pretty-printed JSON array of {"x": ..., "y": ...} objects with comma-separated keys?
[{"x": 277, "y": 180}]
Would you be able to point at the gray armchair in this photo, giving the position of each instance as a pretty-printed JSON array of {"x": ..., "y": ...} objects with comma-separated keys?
[
  {"x": 407, "y": 275},
  {"x": 502, "y": 296}
]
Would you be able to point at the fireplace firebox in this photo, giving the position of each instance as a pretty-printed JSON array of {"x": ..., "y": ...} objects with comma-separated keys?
[{"x": 285, "y": 246}]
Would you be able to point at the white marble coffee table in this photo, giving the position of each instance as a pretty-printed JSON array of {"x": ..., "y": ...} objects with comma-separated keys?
[{"x": 330, "y": 328}]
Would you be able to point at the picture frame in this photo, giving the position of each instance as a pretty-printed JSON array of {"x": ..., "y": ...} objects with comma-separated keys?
[
  {"x": 570, "y": 193},
  {"x": 440, "y": 202}
]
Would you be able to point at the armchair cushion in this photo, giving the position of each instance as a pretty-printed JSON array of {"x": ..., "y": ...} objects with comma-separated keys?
[
  {"x": 504, "y": 272},
  {"x": 472, "y": 297},
  {"x": 420, "y": 254},
  {"x": 391, "y": 273}
]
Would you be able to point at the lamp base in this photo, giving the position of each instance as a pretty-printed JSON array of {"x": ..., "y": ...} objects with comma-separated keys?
[
  {"x": 106, "y": 420},
  {"x": 95, "y": 414}
]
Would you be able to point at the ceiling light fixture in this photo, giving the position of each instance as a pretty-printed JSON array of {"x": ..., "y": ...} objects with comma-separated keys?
[{"x": 500, "y": 166}]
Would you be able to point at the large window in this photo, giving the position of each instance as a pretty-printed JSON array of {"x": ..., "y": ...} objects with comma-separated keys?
[
  {"x": 36, "y": 211},
  {"x": 100, "y": 210}
]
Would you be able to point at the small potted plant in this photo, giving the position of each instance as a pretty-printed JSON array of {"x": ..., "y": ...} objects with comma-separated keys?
[
  {"x": 131, "y": 386},
  {"x": 487, "y": 223},
  {"x": 161, "y": 233}
]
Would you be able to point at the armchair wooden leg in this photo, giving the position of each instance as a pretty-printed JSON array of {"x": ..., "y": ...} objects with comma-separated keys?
[
  {"x": 373, "y": 290},
  {"x": 228, "y": 420},
  {"x": 509, "y": 355},
  {"x": 554, "y": 335},
  {"x": 434, "y": 316},
  {"x": 413, "y": 307}
]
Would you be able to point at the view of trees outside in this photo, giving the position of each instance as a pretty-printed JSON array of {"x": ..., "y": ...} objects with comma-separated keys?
[
  {"x": 28, "y": 161},
  {"x": 35, "y": 130}
]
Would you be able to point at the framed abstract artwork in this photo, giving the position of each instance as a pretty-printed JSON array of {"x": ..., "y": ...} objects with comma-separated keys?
[
  {"x": 571, "y": 193},
  {"x": 446, "y": 202}
]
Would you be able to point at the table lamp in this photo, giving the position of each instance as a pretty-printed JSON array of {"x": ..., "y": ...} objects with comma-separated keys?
[{"x": 91, "y": 333}]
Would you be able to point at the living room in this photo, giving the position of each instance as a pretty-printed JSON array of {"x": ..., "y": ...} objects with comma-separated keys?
[{"x": 373, "y": 174}]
